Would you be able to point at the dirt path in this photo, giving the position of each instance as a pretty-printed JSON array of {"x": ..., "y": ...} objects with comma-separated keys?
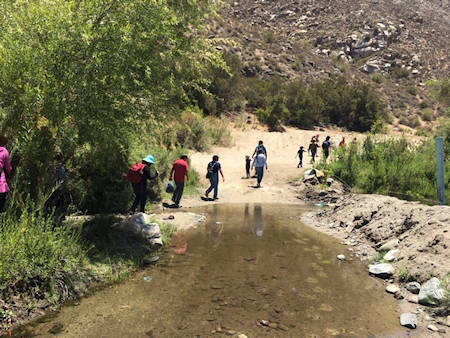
[{"x": 282, "y": 148}]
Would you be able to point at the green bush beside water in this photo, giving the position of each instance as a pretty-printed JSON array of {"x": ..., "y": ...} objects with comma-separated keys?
[{"x": 393, "y": 167}]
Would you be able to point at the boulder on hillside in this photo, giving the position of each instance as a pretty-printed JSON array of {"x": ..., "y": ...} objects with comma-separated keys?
[{"x": 431, "y": 293}]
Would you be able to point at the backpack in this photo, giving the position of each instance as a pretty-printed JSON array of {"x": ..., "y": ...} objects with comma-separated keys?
[
  {"x": 260, "y": 147},
  {"x": 135, "y": 173},
  {"x": 209, "y": 169}
]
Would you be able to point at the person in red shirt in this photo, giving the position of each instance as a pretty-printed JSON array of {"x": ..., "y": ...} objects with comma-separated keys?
[{"x": 179, "y": 173}]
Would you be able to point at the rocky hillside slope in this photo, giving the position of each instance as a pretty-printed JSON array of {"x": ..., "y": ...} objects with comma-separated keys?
[{"x": 397, "y": 45}]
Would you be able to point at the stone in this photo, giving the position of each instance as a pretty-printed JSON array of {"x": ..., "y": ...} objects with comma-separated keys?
[
  {"x": 391, "y": 255},
  {"x": 151, "y": 230},
  {"x": 382, "y": 270},
  {"x": 413, "y": 287},
  {"x": 392, "y": 288},
  {"x": 241, "y": 335},
  {"x": 431, "y": 293},
  {"x": 341, "y": 257},
  {"x": 448, "y": 321},
  {"x": 150, "y": 260},
  {"x": 413, "y": 299},
  {"x": 389, "y": 245},
  {"x": 156, "y": 243},
  {"x": 408, "y": 320},
  {"x": 330, "y": 181},
  {"x": 433, "y": 328}
]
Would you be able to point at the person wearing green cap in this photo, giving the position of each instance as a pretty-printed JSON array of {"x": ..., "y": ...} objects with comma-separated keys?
[{"x": 138, "y": 175}]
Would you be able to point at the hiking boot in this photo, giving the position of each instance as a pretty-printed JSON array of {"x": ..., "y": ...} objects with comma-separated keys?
[{"x": 206, "y": 194}]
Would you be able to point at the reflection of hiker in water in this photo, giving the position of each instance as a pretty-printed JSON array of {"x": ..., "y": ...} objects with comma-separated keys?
[
  {"x": 258, "y": 222},
  {"x": 214, "y": 228}
]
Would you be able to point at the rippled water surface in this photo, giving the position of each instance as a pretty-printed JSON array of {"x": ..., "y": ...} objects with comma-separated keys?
[{"x": 245, "y": 265}]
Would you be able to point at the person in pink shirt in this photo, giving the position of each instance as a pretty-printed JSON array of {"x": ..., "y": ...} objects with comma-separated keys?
[{"x": 5, "y": 168}]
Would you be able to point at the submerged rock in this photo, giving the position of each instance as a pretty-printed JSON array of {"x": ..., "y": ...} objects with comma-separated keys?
[
  {"x": 431, "y": 293},
  {"x": 408, "y": 320},
  {"x": 382, "y": 270}
]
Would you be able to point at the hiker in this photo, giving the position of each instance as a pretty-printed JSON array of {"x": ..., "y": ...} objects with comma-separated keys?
[
  {"x": 138, "y": 175},
  {"x": 5, "y": 169},
  {"x": 259, "y": 163},
  {"x": 180, "y": 170},
  {"x": 326, "y": 147},
  {"x": 342, "y": 143},
  {"x": 313, "y": 150},
  {"x": 213, "y": 170},
  {"x": 59, "y": 199},
  {"x": 248, "y": 162},
  {"x": 300, "y": 156},
  {"x": 259, "y": 147}
]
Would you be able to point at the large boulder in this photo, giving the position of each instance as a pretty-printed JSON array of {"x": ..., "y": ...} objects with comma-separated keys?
[
  {"x": 431, "y": 293},
  {"x": 139, "y": 224}
]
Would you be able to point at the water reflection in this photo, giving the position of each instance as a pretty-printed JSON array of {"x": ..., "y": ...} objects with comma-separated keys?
[{"x": 258, "y": 222}]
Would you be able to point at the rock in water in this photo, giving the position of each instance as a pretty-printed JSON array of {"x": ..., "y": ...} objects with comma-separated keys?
[
  {"x": 391, "y": 255},
  {"x": 408, "y": 320},
  {"x": 431, "y": 293},
  {"x": 382, "y": 270},
  {"x": 413, "y": 287}
]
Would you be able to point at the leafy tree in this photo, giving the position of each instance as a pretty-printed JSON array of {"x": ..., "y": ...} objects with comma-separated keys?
[{"x": 81, "y": 76}]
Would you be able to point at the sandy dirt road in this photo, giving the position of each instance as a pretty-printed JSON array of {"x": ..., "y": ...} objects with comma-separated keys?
[{"x": 282, "y": 163}]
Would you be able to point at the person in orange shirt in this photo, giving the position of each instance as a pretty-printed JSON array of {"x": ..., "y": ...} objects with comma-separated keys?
[{"x": 179, "y": 173}]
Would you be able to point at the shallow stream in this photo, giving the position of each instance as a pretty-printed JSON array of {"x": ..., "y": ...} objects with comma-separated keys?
[{"x": 246, "y": 267}]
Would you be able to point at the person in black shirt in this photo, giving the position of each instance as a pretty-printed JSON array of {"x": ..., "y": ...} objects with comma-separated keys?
[
  {"x": 248, "y": 161},
  {"x": 300, "y": 156},
  {"x": 326, "y": 147}
]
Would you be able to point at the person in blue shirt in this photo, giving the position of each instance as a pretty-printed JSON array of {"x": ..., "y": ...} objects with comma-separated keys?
[
  {"x": 259, "y": 163},
  {"x": 213, "y": 170},
  {"x": 326, "y": 147}
]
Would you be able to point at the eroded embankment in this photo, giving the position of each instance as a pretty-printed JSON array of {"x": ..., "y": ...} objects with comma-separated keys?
[{"x": 420, "y": 232}]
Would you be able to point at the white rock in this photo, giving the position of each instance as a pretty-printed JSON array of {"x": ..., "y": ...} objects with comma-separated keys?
[
  {"x": 341, "y": 257},
  {"x": 382, "y": 270},
  {"x": 389, "y": 245},
  {"x": 392, "y": 288},
  {"x": 391, "y": 255},
  {"x": 432, "y": 328},
  {"x": 408, "y": 320},
  {"x": 431, "y": 292}
]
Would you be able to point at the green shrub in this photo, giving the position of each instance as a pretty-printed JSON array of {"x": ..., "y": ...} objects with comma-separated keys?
[
  {"x": 377, "y": 78},
  {"x": 399, "y": 73},
  {"x": 37, "y": 256},
  {"x": 412, "y": 90},
  {"x": 423, "y": 105},
  {"x": 269, "y": 36},
  {"x": 427, "y": 114},
  {"x": 274, "y": 114},
  {"x": 391, "y": 167}
]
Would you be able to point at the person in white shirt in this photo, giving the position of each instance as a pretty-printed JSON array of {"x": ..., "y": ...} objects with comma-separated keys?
[{"x": 259, "y": 162}]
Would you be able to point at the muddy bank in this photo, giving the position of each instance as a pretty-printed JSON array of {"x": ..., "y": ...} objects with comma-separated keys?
[
  {"x": 411, "y": 238},
  {"x": 115, "y": 254}
]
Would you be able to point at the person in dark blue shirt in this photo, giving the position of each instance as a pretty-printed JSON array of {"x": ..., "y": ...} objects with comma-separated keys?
[{"x": 214, "y": 168}]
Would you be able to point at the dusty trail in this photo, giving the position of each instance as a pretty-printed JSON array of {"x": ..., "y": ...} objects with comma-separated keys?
[{"x": 276, "y": 188}]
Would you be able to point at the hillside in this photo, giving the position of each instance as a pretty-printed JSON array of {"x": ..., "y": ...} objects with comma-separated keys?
[{"x": 395, "y": 45}]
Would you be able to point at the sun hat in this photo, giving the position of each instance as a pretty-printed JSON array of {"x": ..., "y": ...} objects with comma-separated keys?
[{"x": 149, "y": 159}]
